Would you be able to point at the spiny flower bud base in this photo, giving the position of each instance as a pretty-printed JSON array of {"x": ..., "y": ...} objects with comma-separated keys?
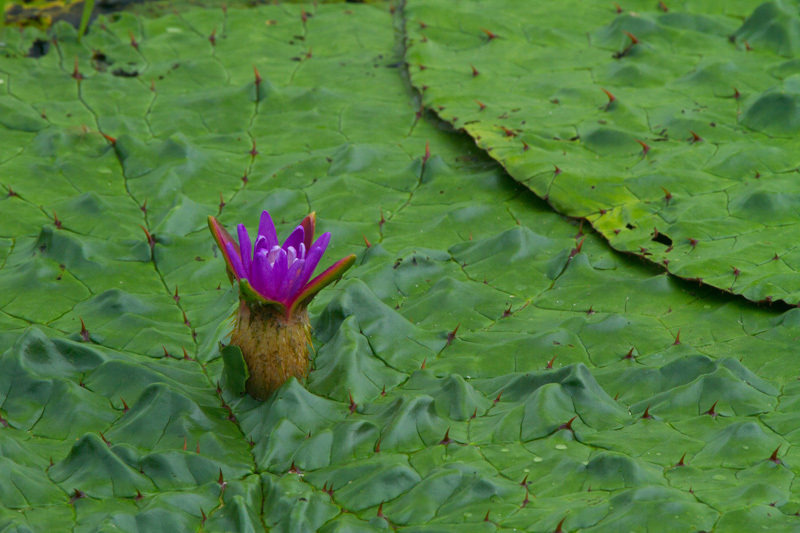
[{"x": 275, "y": 347}]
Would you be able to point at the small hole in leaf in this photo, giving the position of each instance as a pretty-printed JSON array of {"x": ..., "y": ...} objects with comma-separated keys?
[
  {"x": 39, "y": 48},
  {"x": 120, "y": 72},
  {"x": 663, "y": 239}
]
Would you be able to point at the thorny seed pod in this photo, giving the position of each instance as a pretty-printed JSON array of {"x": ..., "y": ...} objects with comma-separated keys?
[{"x": 271, "y": 325}]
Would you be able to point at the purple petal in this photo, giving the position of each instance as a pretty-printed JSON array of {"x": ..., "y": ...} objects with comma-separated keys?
[
  {"x": 268, "y": 280},
  {"x": 261, "y": 244},
  {"x": 293, "y": 281},
  {"x": 315, "y": 254},
  {"x": 236, "y": 261},
  {"x": 273, "y": 254},
  {"x": 295, "y": 238},
  {"x": 266, "y": 228},
  {"x": 279, "y": 269},
  {"x": 245, "y": 247},
  {"x": 258, "y": 274}
]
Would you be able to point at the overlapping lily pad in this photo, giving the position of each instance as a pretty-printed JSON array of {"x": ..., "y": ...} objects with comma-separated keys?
[
  {"x": 486, "y": 365},
  {"x": 670, "y": 126}
]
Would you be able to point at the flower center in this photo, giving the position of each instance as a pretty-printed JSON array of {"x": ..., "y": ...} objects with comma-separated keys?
[{"x": 292, "y": 254}]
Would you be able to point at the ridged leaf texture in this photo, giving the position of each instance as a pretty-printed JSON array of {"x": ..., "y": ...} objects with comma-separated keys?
[
  {"x": 670, "y": 126},
  {"x": 487, "y": 364}
]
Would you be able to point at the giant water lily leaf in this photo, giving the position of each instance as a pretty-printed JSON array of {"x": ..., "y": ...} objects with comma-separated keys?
[
  {"x": 670, "y": 126},
  {"x": 484, "y": 364}
]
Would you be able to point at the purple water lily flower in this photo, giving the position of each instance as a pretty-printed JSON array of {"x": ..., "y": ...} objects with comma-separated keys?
[
  {"x": 271, "y": 325},
  {"x": 273, "y": 274}
]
